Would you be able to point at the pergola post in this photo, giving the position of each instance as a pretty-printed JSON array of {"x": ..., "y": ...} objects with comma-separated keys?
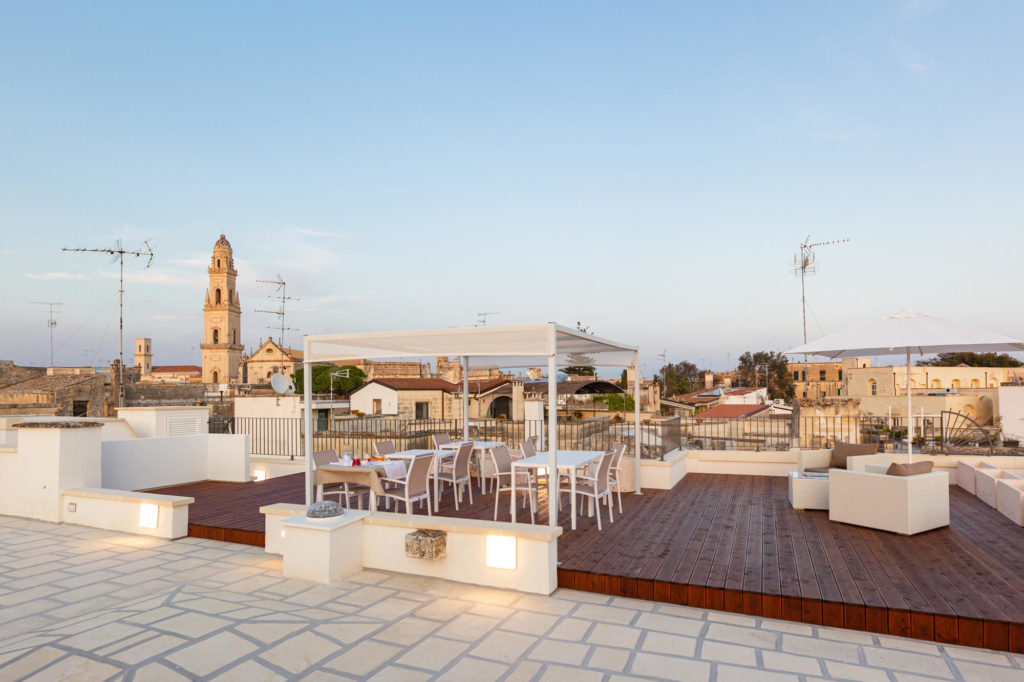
[
  {"x": 552, "y": 428},
  {"x": 636, "y": 418},
  {"x": 910, "y": 415},
  {"x": 465, "y": 397},
  {"x": 307, "y": 425}
]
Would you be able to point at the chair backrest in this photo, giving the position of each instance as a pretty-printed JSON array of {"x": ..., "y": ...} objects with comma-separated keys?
[
  {"x": 502, "y": 459},
  {"x": 618, "y": 450},
  {"x": 602, "y": 470},
  {"x": 324, "y": 457},
  {"x": 441, "y": 439},
  {"x": 417, "y": 481},
  {"x": 384, "y": 447},
  {"x": 528, "y": 448},
  {"x": 462, "y": 460},
  {"x": 535, "y": 439}
]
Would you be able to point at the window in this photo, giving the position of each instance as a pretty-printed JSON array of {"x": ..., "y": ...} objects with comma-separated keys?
[
  {"x": 215, "y": 377},
  {"x": 975, "y": 383},
  {"x": 80, "y": 408},
  {"x": 873, "y": 386},
  {"x": 821, "y": 375},
  {"x": 216, "y": 296},
  {"x": 805, "y": 394},
  {"x": 218, "y": 262},
  {"x": 216, "y": 336},
  {"x": 234, "y": 336},
  {"x": 956, "y": 383},
  {"x": 936, "y": 383},
  {"x": 270, "y": 374},
  {"x": 840, "y": 375},
  {"x": 321, "y": 419},
  {"x": 796, "y": 375},
  {"x": 803, "y": 375},
  {"x": 377, "y": 409},
  {"x": 423, "y": 410}
]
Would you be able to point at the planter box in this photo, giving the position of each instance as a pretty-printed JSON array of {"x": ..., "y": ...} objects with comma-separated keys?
[{"x": 426, "y": 544}]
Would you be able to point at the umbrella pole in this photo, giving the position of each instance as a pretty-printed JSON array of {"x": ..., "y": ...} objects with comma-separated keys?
[{"x": 910, "y": 416}]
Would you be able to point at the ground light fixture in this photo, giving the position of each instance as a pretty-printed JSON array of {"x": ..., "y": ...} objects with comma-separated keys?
[
  {"x": 501, "y": 551},
  {"x": 149, "y": 515},
  {"x": 259, "y": 475}
]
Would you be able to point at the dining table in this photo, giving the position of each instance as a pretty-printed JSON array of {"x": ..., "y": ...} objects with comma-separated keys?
[
  {"x": 480, "y": 448},
  {"x": 368, "y": 474},
  {"x": 569, "y": 461}
]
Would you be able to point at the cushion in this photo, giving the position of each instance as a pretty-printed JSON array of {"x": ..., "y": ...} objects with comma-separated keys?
[
  {"x": 843, "y": 450},
  {"x": 909, "y": 469}
]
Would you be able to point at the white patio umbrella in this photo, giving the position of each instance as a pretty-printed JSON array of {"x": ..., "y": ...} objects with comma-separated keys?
[{"x": 908, "y": 332}]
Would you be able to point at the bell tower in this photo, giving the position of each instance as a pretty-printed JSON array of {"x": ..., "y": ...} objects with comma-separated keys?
[{"x": 222, "y": 318}]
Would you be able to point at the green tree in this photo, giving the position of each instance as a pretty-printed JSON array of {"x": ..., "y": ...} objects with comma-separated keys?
[
  {"x": 617, "y": 401},
  {"x": 579, "y": 366},
  {"x": 679, "y": 378},
  {"x": 767, "y": 367},
  {"x": 322, "y": 379},
  {"x": 971, "y": 360}
]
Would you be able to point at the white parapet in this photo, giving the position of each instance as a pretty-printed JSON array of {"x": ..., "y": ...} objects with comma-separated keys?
[
  {"x": 163, "y": 516},
  {"x": 511, "y": 556}
]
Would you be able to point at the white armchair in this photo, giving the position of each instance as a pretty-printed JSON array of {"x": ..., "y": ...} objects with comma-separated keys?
[{"x": 899, "y": 504}]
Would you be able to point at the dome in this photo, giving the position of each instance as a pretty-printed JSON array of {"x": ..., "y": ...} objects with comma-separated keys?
[{"x": 222, "y": 244}]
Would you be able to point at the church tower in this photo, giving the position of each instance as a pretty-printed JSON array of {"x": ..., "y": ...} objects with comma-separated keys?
[{"x": 222, "y": 318}]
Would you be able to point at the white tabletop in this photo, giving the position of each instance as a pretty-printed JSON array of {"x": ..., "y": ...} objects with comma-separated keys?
[
  {"x": 477, "y": 444},
  {"x": 567, "y": 459},
  {"x": 413, "y": 454}
]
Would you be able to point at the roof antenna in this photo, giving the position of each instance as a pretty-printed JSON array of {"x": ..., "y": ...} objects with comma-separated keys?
[
  {"x": 283, "y": 297},
  {"x": 481, "y": 319},
  {"x": 118, "y": 253},
  {"x": 51, "y": 324},
  {"x": 804, "y": 267}
]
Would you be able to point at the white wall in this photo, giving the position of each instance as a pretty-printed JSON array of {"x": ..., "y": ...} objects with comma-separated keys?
[
  {"x": 1011, "y": 411},
  {"x": 362, "y": 400},
  {"x": 154, "y": 462},
  {"x": 155, "y": 422},
  {"x": 268, "y": 406},
  {"x": 120, "y": 511},
  {"x": 46, "y": 461}
]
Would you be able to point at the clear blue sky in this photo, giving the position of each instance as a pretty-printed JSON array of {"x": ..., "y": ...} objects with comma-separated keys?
[{"x": 646, "y": 168}]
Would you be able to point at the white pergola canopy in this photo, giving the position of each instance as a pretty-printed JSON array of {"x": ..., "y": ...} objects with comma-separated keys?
[
  {"x": 506, "y": 346},
  {"x": 909, "y": 332}
]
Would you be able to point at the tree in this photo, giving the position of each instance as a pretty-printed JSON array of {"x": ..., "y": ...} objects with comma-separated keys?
[
  {"x": 679, "y": 378},
  {"x": 322, "y": 379},
  {"x": 767, "y": 367},
  {"x": 971, "y": 360},
  {"x": 580, "y": 368},
  {"x": 617, "y": 402}
]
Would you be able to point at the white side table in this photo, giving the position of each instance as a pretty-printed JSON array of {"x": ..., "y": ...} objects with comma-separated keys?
[{"x": 807, "y": 491}]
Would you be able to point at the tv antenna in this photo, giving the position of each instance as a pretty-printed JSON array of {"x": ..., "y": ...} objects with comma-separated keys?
[
  {"x": 51, "y": 323},
  {"x": 282, "y": 295},
  {"x": 118, "y": 253},
  {"x": 803, "y": 267},
  {"x": 481, "y": 319}
]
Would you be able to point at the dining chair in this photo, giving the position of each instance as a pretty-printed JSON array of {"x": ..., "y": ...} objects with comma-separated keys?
[
  {"x": 504, "y": 471},
  {"x": 595, "y": 487},
  {"x": 619, "y": 449},
  {"x": 344, "y": 491},
  {"x": 384, "y": 447},
  {"x": 456, "y": 471},
  {"x": 415, "y": 487},
  {"x": 441, "y": 439}
]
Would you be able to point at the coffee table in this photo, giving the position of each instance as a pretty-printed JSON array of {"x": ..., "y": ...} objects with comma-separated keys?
[{"x": 808, "y": 491}]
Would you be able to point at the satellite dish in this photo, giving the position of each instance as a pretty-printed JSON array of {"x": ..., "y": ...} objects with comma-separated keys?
[{"x": 282, "y": 384}]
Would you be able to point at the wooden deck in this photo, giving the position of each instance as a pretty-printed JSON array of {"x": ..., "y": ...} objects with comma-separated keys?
[{"x": 733, "y": 543}]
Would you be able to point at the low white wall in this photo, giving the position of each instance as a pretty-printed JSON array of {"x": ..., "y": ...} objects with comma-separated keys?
[
  {"x": 765, "y": 463},
  {"x": 120, "y": 510},
  {"x": 274, "y": 466},
  {"x": 326, "y": 550},
  {"x": 46, "y": 461},
  {"x": 947, "y": 463},
  {"x": 154, "y": 462},
  {"x": 660, "y": 474}
]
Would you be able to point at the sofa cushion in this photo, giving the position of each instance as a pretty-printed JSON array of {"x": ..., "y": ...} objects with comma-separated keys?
[
  {"x": 909, "y": 469},
  {"x": 843, "y": 450}
]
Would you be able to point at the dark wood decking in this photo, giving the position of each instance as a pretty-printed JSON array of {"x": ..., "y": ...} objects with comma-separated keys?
[{"x": 733, "y": 543}]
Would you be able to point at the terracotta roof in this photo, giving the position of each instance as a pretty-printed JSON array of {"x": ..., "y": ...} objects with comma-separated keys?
[
  {"x": 177, "y": 368},
  {"x": 413, "y": 384},
  {"x": 477, "y": 387},
  {"x": 47, "y": 384},
  {"x": 732, "y": 411}
]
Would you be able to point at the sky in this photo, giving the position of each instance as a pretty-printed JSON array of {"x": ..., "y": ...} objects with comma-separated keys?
[{"x": 647, "y": 169}]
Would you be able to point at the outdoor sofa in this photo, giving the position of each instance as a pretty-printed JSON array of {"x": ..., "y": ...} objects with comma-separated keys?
[
  {"x": 905, "y": 504},
  {"x": 821, "y": 461}
]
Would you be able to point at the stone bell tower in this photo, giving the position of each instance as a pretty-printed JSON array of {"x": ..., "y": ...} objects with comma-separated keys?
[{"x": 222, "y": 319}]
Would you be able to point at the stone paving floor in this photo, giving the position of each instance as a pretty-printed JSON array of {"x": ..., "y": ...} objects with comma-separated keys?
[{"x": 84, "y": 604}]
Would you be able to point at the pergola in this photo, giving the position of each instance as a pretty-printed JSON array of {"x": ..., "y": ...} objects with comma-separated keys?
[{"x": 506, "y": 346}]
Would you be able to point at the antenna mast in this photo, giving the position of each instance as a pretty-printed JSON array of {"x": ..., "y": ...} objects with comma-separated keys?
[
  {"x": 118, "y": 253},
  {"x": 283, "y": 297},
  {"x": 481, "y": 319},
  {"x": 804, "y": 267},
  {"x": 51, "y": 323}
]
